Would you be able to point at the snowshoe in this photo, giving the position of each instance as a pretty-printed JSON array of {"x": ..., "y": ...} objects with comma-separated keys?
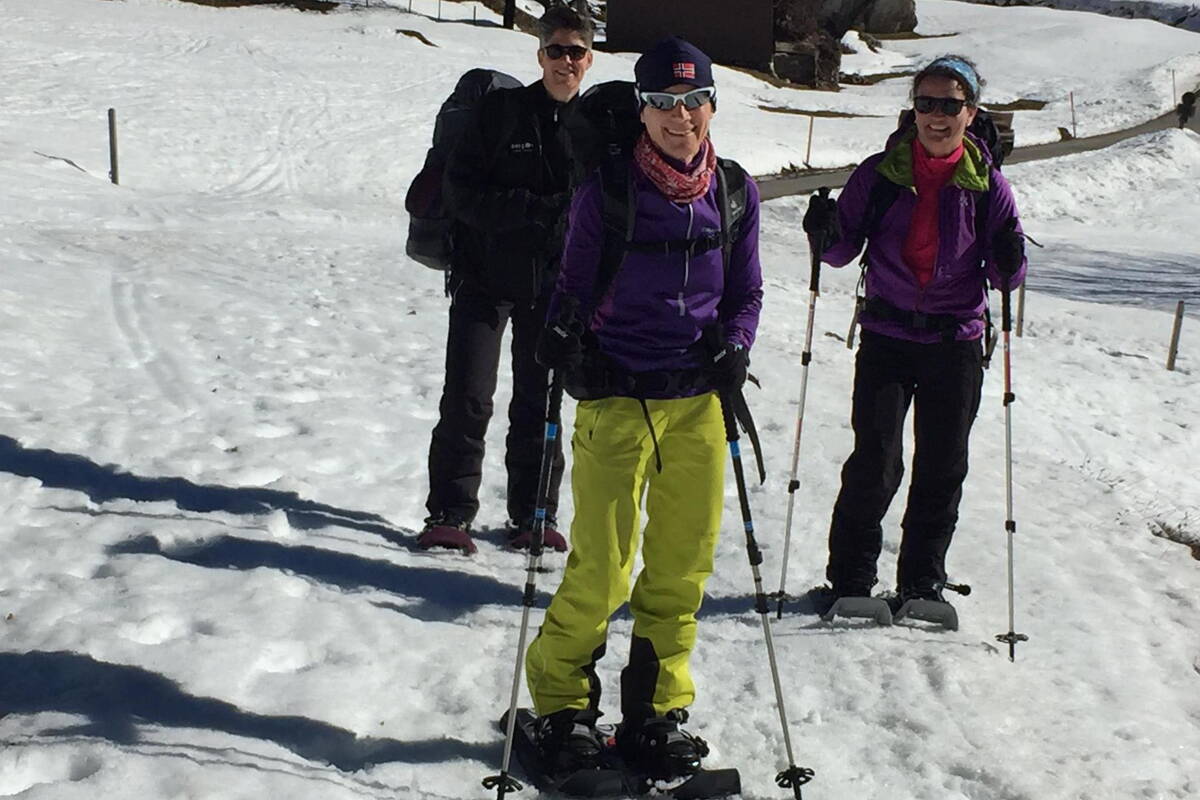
[
  {"x": 561, "y": 754},
  {"x": 446, "y": 532},
  {"x": 664, "y": 759},
  {"x": 520, "y": 536},
  {"x": 829, "y": 603},
  {"x": 927, "y": 606}
]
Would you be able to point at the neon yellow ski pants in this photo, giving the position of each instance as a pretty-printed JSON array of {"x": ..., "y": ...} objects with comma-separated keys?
[{"x": 614, "y": 467}]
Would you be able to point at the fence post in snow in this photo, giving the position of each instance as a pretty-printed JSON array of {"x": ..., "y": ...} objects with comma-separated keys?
[
  {"x": 112, "y": 146},
  {"x": 1020, "y": 309},
  {"x": 1174, "y": 349},
  {"x": 808, "y": 151},
  {"x": 1074, "y": 133}
]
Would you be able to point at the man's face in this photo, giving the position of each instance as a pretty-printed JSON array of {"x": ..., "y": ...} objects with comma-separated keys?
[
  {"x": 562, "y": 76},
  {"x": 681, "y": 131},
  {"x": 942, "y": 133}
]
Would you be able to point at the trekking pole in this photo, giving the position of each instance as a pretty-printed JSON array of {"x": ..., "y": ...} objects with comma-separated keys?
[
  {"x": 793, "y": 777},
  {"x": 814, "y": 289},
  {"x": 1010, "y": 526},
  {"x": 505, "y": 783}
]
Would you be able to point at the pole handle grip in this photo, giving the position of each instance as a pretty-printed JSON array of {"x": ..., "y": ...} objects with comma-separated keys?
[{"x": 817, "y": 245}]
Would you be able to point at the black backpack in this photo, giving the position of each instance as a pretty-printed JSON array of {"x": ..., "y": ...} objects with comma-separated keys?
[
  {"x": 602, "y": 129},
  {"x": 428, "y": 223}
]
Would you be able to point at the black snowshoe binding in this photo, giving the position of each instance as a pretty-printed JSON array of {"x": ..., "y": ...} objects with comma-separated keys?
[
  {"x": 927, "y": 605},
  {"x": 568, "y": 741},
  {"x": 565, "y": 753},
  {"x": 660, "y": 749}
]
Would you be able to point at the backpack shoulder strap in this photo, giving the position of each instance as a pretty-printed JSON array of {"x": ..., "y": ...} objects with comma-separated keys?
[
  {"x": 731, "y": 201},
  {"x": 618, "y": 216},
  {"x": 883, "y": 194}
]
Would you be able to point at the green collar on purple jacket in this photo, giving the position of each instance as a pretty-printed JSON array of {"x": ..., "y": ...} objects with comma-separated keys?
[{"x": 971, "y": 173}]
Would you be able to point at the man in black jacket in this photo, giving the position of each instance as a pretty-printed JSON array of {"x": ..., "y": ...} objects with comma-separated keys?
[{"x": 506, "y": 186}]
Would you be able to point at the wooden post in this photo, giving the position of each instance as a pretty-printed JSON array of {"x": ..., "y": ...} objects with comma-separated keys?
[
  {"x": 112, "y": 147},
  {"x": 1074, "y": 132},
  {"x": 510, "y": 13},
  {"x": 1174, "y": 350},
  {"x": 1020, "y": 309},
  {"x": 1173, "y": 94},
  {"x": 808, "y": 151}
]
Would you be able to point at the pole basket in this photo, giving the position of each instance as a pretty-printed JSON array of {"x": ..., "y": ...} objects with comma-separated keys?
[
  {"x": 794, "y": 778},
  {"x": 503, "y": 784}
]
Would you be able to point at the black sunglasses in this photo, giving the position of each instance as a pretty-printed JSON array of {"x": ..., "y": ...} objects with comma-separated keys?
[
  {"x": 950, "y": 106},
  {"x": 665, "y": 101},
  {"x": 557, "y": 51}
]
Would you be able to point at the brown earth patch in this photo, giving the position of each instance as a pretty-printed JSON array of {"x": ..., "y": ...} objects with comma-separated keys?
[{"x": 815, "y": 113}]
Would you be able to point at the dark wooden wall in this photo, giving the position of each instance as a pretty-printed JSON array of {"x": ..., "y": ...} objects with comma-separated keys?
[{"x": 730, "y": 31}]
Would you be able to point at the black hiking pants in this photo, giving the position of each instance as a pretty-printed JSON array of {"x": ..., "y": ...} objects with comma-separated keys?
[
  {"x": 477, "y": 323},
  {"x": 944, "y": 382}
]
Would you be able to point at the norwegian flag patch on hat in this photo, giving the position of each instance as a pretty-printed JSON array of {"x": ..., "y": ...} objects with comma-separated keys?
[{"x": 672, "y": 61}]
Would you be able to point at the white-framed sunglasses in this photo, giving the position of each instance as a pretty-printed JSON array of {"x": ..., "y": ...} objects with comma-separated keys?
[{"x": 665, "y": 101}]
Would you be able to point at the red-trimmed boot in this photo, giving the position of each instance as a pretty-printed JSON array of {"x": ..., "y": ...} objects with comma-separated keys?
[
  {"x": 447, "y": 532},
  {"x": 520, "y": 536}
]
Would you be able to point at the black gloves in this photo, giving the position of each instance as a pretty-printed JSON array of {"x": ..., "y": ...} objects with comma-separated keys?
[
  {"x": 727, "y": 367},
  {"x": 1008, "y": 249},
  {"x": 820, "y": 220},
  {"x": 560, "y": 345}
]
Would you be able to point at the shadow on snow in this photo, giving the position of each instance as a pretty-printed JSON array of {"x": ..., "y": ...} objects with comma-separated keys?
[
  {"x": 117, "y": 698},
  {"x": 445, "y": 594},
  {"x": 102, "y": 483}
]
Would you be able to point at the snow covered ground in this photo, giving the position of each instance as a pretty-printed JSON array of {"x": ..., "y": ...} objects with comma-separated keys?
[
  {"x": 1180, "y": 13},
  {"x": 218, "y": 379}
]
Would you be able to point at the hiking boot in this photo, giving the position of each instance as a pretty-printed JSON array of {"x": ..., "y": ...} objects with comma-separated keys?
[
  {"x": 569, "y": 742},
  {"x": 521, "y": 536},
  {"x": 659, "y": 748},
  {"x": 446, "y": 531},
  {"x": 898, "y": 599},
  {"x": 923, "y": 592}
]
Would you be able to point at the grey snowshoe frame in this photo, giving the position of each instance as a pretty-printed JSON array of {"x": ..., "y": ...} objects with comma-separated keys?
[
  {"x": 929, "y": 611},
  {"x": 875, "y": 608}
]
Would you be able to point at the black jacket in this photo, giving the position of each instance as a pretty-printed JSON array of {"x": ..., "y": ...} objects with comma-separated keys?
[{"x": 506, "y": 186}]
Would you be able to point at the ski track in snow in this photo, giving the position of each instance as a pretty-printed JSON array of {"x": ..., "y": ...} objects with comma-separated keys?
[{"x": 217, "y": 383}]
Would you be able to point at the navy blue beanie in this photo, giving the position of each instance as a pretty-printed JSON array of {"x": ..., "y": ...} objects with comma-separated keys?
[{"x": 672, "y": 61}]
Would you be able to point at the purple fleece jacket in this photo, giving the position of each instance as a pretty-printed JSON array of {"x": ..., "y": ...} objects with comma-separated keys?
[
  {"x": 957, "y": 286},
  {"x": 658, "y": 304}
]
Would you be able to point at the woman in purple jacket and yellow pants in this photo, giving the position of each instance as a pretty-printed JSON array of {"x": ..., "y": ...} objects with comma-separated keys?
[
  {"x": 648, "y": 427},
  {"x": 950, "y": 230}
]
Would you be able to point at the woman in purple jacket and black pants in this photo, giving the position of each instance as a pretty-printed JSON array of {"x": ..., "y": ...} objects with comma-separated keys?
[
  {"x": 648, "y": 426},
  {"x": 951, "y": 229}
]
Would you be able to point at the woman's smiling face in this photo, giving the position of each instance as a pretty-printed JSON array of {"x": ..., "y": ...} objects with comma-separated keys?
[
  {"x": 680, "y": 132},
  {"x": 941, "y": 133}
]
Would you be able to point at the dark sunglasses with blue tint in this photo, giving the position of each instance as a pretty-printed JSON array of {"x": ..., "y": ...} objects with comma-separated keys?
[
  {"x": 950, "y": 106},
  {"x": 557, "y": 51},
  {"x": 665, "y": 101}
]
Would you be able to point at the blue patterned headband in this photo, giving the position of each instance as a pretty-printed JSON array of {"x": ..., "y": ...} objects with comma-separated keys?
[{"x": 960, "y": 68}]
